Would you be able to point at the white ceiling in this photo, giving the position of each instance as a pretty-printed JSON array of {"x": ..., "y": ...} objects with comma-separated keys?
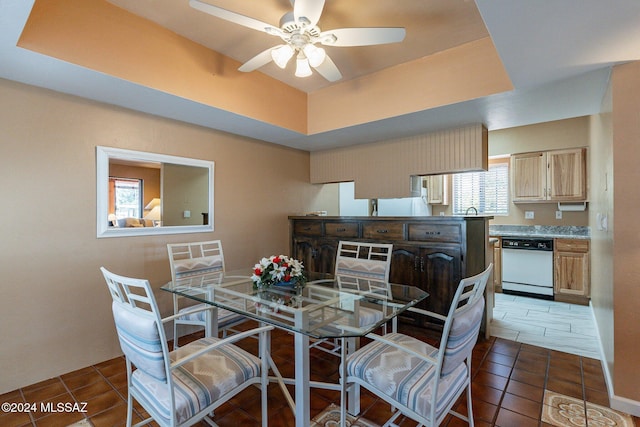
[{"x": 558, "y": 55}]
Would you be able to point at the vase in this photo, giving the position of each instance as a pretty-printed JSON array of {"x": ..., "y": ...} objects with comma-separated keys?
[{"x": 289, "y": 284}]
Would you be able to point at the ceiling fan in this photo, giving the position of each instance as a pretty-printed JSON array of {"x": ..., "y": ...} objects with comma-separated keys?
[{"x": 300, "y": 33}]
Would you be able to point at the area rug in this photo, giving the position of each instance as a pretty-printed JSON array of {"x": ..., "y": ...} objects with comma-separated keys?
[
  {"x": 564, "y": 411},
  {"x": 330, "y": 417}
]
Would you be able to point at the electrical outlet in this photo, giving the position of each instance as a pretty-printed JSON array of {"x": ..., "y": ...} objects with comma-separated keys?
[
  {"x": 528, "y": 215},
  {"x": 558, "y": 214}
]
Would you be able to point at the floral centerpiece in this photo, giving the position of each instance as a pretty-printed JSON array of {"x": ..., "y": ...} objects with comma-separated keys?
[{"x": 278, "y": 270}]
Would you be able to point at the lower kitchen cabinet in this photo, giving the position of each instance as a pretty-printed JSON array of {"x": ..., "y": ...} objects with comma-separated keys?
[
  {"x": 571, "y": 259},
  {"x": 432, "y": 253}
]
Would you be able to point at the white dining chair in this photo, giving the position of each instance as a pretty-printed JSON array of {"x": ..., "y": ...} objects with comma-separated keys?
[
  {"x": 190, "y": 260},
  {"x": 181, "y": 387},
  {"x": 418, "y": 380},
  {"x": 362, "y": 267}
]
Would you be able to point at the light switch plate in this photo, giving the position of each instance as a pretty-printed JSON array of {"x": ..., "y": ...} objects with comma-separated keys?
[
  {"x": 558, "y": 214},
  {"x": 528, "y": 215},
  {"x": 186, "y": 214}
]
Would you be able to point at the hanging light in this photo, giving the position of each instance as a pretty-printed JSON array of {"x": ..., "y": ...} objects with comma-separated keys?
[
  {"x": 315, "y": 55},
  {"x": 282, "y": 55},
  {"x": 302, "y": 66}
]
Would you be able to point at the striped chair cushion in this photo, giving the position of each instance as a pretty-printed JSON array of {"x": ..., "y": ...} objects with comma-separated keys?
[
  {"x": 140, "y": 341},
  {"x": 368, "y": 316},
  {"x": 463, "y": 336},
  {"x": 403, "y": 377},
  {"x": 196, "y": 266},
  {"x": 225, "y": 317},
  {"x": 198, "y": 383},
  {"x": 361, "y": 267}
]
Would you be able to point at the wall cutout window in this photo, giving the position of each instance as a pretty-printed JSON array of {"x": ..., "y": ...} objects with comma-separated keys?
[
  {"x": 488, "y": 191},
  {"x": 125, "y": 197}
]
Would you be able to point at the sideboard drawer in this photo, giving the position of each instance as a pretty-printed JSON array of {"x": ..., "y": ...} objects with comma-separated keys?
[
  {"x": 308, "y": 228},
  {"x": 383, "y": 231},
  {"x": 341, "y": 229},
  {"x": 435, "y": 232}
]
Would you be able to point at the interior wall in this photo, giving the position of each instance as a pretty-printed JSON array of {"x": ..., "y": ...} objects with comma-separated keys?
[
  {"x": 626, "y": 249},
  {"x": 55, "y": 313}
]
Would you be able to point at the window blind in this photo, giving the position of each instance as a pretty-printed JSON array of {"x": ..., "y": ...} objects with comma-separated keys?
[{"x": 488, "y": 191}]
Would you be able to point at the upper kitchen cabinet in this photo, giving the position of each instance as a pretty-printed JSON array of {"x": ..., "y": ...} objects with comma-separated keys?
[
  {"x": 549, "y": 176},
  {"x": 437, "y": 189}
]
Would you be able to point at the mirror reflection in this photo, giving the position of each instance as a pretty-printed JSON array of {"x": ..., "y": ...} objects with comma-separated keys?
[{"x": 146, "y": 193}]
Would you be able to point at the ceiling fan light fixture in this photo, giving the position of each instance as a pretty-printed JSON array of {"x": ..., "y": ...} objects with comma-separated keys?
[
  {"x": 315, "y": 55},
  {"x": 282, "y": 55},
  {"x": 302, "y": 67}
]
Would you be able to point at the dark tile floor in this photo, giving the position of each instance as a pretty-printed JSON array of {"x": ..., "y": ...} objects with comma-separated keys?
[{"x": 509, "y": 379}]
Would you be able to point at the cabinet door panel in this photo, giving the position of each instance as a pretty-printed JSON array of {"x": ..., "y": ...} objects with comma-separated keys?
[
  {"x": 529, "y": 177},
  {"x": 441, "y": 270},
  {"x": 304, "y": 251},
  {"x": 567, "y": 179},
  {"x": 405, "y": 269},
  {"x": 572, "y": 273},
  {"x": 325, "y": 257}
]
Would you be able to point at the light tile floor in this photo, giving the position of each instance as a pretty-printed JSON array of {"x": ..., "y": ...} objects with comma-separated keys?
[{"x": 549, "y": 324}]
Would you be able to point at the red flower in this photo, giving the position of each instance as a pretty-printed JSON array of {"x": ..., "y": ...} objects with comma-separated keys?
[
  {"x": 276, "y": 260},
  {"x": 257, "y": 272},
  {"x": 287, "y": 277}
]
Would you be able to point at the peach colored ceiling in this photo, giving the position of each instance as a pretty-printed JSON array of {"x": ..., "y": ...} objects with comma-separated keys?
[{"x": 106, "y": 38}]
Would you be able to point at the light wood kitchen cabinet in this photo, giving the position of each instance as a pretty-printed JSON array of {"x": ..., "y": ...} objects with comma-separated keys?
[
  {"x": 571, "y": 270},
  {"x": 549, "y": 176},
  {"x": 437, "y": 189}
]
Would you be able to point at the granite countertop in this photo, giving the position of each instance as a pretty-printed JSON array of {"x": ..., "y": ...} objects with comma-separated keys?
[{"x": 548, "y": 231}]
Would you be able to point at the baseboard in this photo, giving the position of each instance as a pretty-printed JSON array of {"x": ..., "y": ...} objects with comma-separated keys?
[
  {"x": 618, "y": 403},
  {"x": 625, "y": 405}
]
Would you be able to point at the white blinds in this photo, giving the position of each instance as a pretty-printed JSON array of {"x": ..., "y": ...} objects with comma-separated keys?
[{"x": 487, "y": 191}]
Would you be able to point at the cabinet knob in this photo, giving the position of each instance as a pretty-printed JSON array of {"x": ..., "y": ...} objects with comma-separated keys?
[
  {"x": 307, "y": 228},
  {"x": 341, "y": 230},
  {"x": 431, "y": 233},
  {"x": 382, "y": 231}
]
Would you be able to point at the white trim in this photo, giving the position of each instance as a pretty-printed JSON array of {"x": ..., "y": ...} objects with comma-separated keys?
[{"x": 618, "y": 403}]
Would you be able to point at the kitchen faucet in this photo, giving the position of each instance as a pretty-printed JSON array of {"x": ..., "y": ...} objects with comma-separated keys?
[{"x": 469, "y": 208}]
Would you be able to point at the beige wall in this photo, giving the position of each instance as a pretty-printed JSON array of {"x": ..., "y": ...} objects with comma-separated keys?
[
  {"x": 54, "y": 307},
  {"x": 626, "y": 231}
]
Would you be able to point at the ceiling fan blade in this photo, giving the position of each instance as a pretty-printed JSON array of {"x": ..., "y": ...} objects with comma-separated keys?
[
  {"x": 227, "y": 15},
  {"x": 361, "y": 36},
  {"x": 263, "y": 58},
  {"x": 310, "y": 9},
  {"x": 328, "y": 70}
]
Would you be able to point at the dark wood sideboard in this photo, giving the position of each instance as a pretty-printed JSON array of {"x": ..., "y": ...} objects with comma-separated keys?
[{"x": 432, "y": 253}]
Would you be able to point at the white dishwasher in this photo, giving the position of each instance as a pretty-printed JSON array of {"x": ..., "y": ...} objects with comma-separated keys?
[{"x": 527, "y": 267}]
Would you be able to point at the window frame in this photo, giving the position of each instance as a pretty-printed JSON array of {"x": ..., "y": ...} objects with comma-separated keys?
[{"x": 502, "y": 162}]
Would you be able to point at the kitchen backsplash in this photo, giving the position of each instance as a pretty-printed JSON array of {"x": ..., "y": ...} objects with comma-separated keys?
[{"x": 574, "y": 232}]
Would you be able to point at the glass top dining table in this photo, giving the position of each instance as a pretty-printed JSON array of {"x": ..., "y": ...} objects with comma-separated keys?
[{"x": 326, "y": 307}]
